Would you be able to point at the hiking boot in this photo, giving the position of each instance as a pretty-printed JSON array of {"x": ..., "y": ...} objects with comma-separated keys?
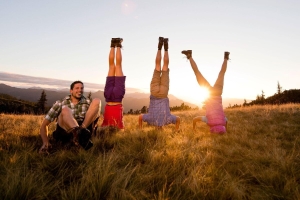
[
  {"x": 84, "y": 136},
  {"x": 226, "y": 55},
  {"x": 75, "y": 132},
  {"x": 166, "y": 44},
  {"x": 113, "y": 42},
  {"x": 118, "y": 42},
  {"x": 188, "y": 53},
  {"x": 160, "y": 42}
]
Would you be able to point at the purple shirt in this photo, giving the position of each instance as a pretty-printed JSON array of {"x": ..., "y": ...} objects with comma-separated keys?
[{"x": 159, "y": 112}]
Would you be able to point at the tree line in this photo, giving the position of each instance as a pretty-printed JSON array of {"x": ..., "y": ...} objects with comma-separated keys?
[
  {"x": 280, "y": 97},
  {"x": 10, "y": 104},
  {"x": 144, "y": 109}
]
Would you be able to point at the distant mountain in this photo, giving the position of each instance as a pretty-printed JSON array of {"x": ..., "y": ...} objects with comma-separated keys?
[
  {"x": 133, "y": 101},
  {"x": 140, "y": 95},
  {"x": 51, "y": 89}
]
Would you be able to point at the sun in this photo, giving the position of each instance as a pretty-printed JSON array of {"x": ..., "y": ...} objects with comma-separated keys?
[
  {"x": 203, "y": 94},
  {"x": 197, "y": 94}
]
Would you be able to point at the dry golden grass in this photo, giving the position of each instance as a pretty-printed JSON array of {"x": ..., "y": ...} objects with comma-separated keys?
[{"x": 258, "y": 158}]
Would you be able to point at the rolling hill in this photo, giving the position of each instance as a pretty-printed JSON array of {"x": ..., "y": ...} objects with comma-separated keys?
[{"x": 133, "y": 101}]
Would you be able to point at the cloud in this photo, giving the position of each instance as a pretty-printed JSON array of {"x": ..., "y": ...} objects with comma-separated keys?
[{"x": 23, "y": 81}]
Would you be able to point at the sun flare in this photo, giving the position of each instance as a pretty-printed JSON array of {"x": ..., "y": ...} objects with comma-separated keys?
[
  {"x": 128, "y": 7},
  {"x": 202, "y": 94},
  {"x": 195, "y": 95}
]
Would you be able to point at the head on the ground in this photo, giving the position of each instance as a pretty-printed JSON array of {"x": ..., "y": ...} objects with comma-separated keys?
[{"x": 76, "y": 89}]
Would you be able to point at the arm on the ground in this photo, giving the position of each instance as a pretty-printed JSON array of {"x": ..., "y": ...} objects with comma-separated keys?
[
  {"x": 44, "y": 136},
  {"x": 177, "y": 125},
  {"x": 195, "y": 120},
  {"x": 141, "y": 121}
]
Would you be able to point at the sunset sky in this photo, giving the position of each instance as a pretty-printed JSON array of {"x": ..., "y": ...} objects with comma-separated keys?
[{"x": 70, "y": 40}]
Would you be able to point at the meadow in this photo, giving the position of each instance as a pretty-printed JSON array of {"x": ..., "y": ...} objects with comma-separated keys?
[{"x": 258, "y": 158}]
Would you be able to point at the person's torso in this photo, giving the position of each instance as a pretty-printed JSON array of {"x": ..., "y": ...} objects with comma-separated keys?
[{"x": 214, "y": 111}]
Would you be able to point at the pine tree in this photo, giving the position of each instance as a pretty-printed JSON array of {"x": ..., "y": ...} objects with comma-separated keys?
[
  {"x": 245, "y": 103},
  {"x": 279, "y": 88},
  {"x": 90, "y": 96},
  {"x": 41, "y": 104},
  {"x": 262, "y": 94},
  {"x": 262, "y": 97},
  {"x": 144, "y": 109}
]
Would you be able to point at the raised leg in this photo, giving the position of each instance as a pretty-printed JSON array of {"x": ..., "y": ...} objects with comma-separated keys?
[
  {"x": 158, "y": 61},
  {"x": 119, "y": 71},
  {"x": 111, "y": 61},
  {"x": 217, "y": 89},
  {"x": 166, "y": 61},
  {"x": 200, "y": 78},
  {"x": 165, "y": 79}
]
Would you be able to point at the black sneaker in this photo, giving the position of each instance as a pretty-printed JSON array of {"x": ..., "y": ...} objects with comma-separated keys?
[
  {"x": 188, "y": 53},
  {"x": 84, "y": 137},
  {"x": 166, "y": 44},
  {"x": 75, "y": 132},
  {"x": 118, "y": 42},
  {"x": 113, "y": 42},
  {"x": 160, "y": 42},
  {"x": 226, "y": 55}
]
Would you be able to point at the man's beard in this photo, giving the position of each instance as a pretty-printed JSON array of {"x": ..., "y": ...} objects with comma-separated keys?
[{"x": 78, "y": 98}]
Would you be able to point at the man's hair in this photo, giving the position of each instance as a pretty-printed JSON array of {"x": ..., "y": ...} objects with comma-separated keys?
[{"x": 75, "y": 82}]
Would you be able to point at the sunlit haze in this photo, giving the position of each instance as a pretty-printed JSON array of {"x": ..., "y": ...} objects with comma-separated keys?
[{"x": 70, "y": 40}]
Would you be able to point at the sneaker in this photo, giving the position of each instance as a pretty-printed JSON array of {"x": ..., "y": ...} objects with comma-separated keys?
[
  {"x": 160, "y": 42},
  {"x": 226, "y": 55},
  {"x": 166, "y": 44},
  {"x": 118, "y": 42},
  {"x": 188, "y": 53}
]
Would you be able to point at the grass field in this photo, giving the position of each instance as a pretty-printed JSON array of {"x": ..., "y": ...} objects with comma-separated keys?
[{"x": 258, "y": 158}]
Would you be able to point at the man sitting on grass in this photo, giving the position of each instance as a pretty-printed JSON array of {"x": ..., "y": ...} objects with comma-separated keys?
[
  {"x": 159, "y": 109},
  {"x": 76, "y": 118}
]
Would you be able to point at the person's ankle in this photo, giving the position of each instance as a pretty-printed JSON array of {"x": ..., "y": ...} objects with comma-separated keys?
[{"x": 83, "y": 125}]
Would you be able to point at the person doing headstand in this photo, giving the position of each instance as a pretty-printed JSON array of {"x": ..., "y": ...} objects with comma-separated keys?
[
  {"x": 159, "y": 110},
  {"x": 114, "y": 90},
  {"x": 215, "y": 117}
]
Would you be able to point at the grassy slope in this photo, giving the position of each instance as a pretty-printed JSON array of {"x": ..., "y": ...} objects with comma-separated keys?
[{"x": 257, "y": 159}]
